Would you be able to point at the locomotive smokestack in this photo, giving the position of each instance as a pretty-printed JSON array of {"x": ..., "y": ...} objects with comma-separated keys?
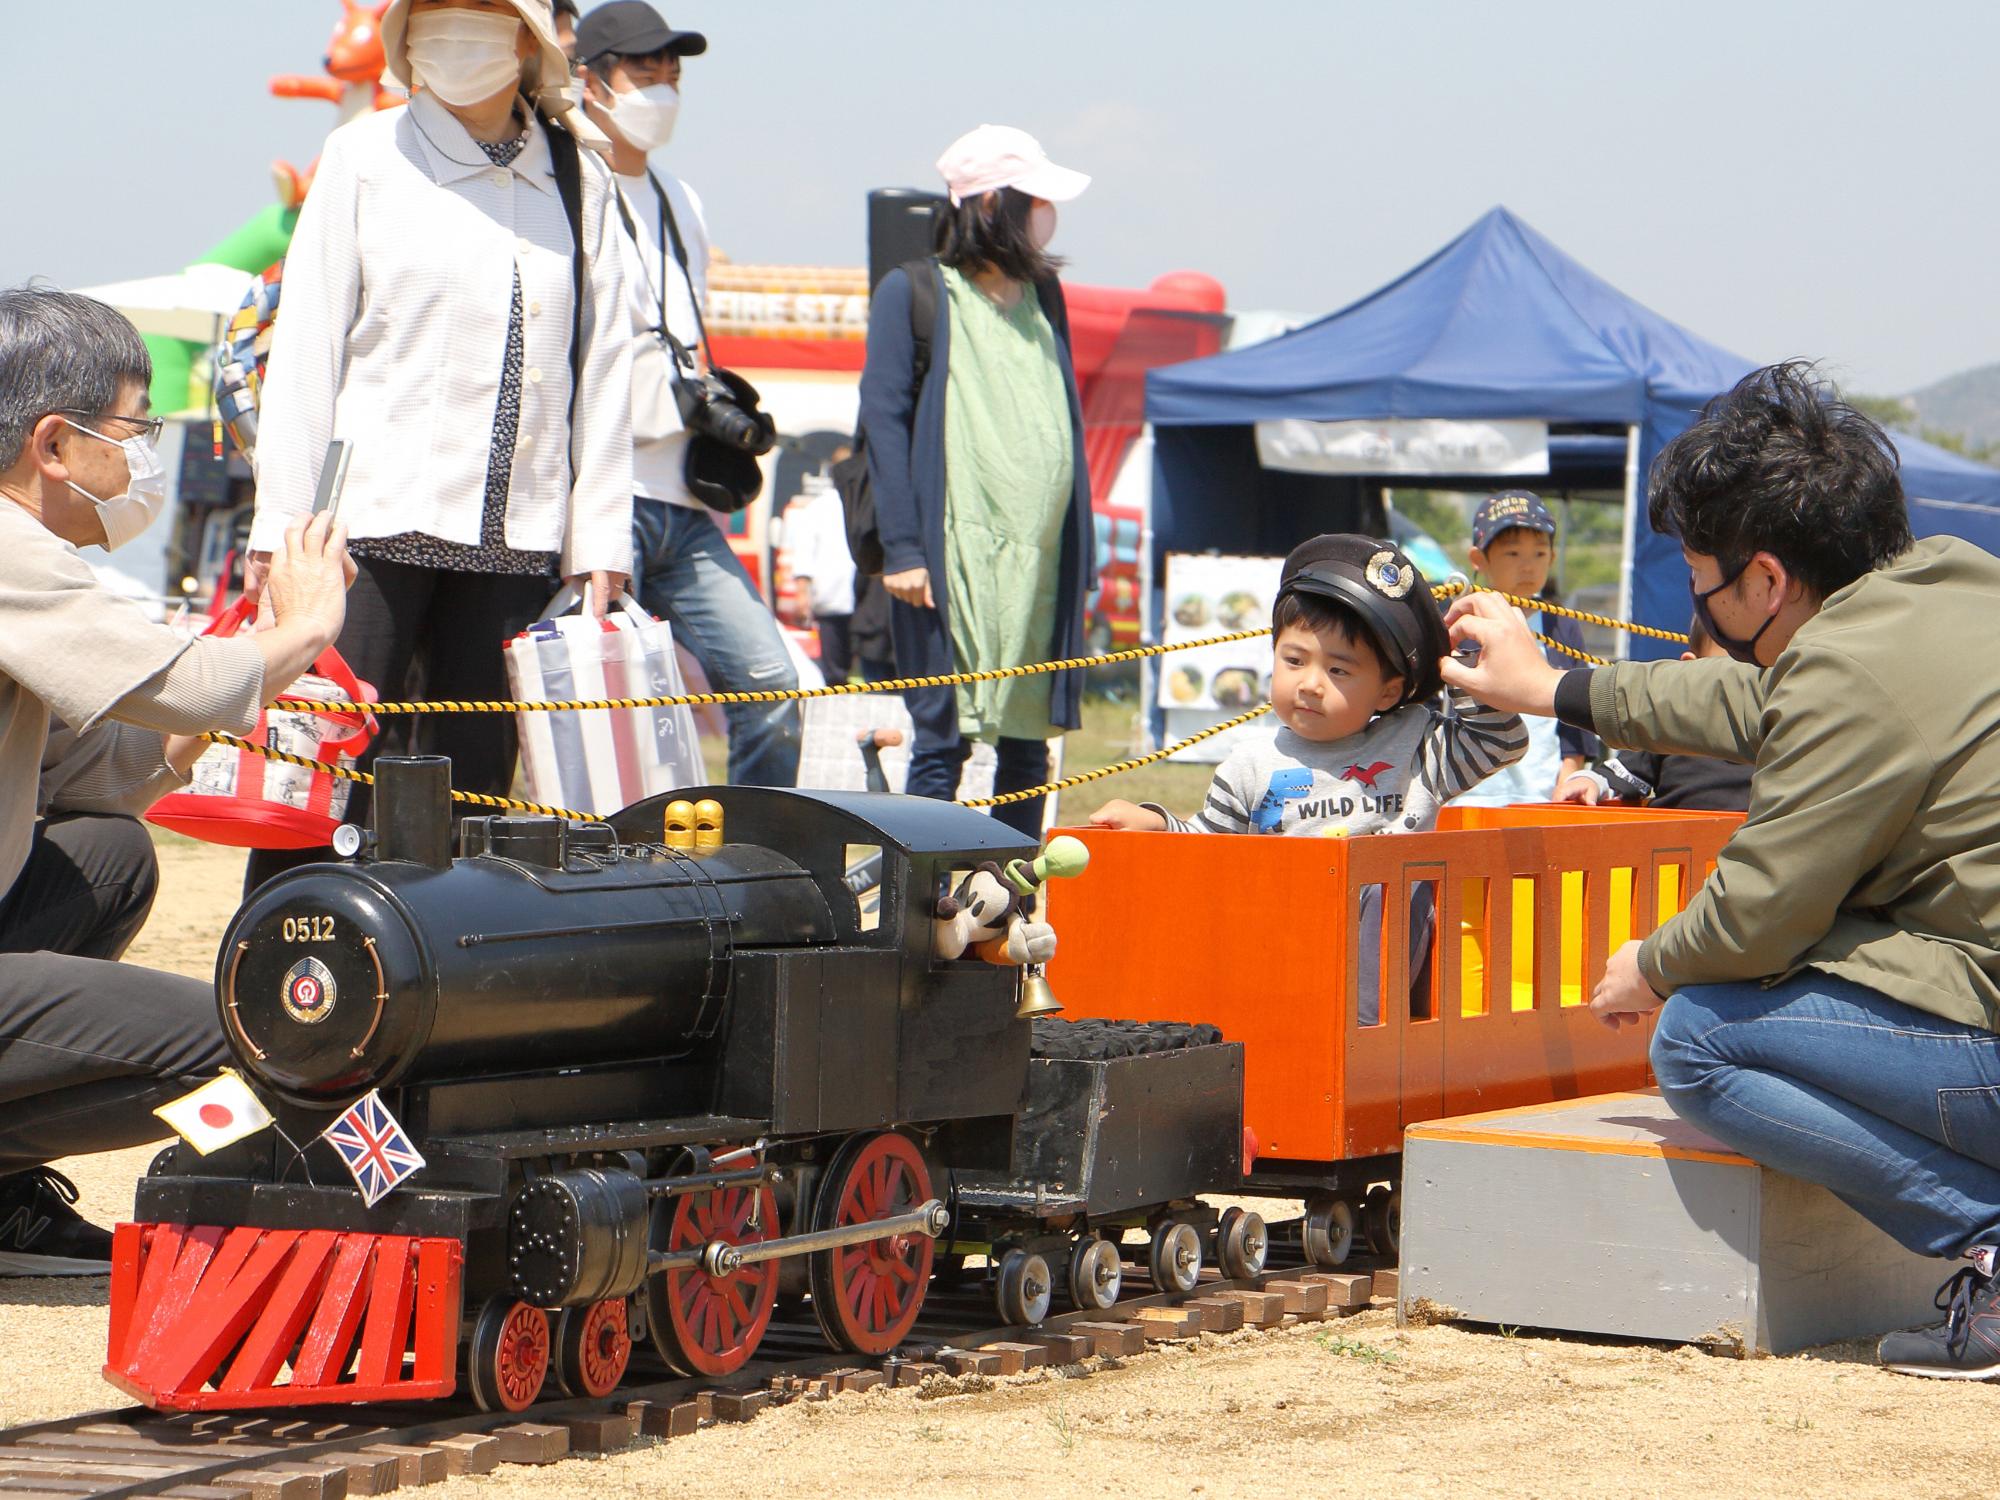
[{"x": 413, "y": 809}]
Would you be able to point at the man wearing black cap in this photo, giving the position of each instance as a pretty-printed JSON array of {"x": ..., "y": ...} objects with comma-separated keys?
[
  {"x": 1363, "y": 746},
  {"x": 682, "y": 567}
]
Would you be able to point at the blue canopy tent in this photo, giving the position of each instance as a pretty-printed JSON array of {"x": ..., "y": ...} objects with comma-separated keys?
[{"x": 1498, "y": 325}]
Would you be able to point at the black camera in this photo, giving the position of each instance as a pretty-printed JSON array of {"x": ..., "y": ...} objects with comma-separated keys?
[{"x": 723, "y": 405}]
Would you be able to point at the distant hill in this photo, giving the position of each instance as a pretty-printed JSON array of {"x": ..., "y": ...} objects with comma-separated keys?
[{"x": 1967, "y": 403}]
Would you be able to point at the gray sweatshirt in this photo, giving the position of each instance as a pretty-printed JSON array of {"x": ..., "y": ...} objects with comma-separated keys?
[{"x": 1392, "y": 777}]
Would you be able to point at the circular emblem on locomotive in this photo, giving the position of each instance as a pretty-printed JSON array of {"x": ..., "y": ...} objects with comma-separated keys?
[
  {"x": 308, "y": 991},
  {"x": 1387, "y": 576}
]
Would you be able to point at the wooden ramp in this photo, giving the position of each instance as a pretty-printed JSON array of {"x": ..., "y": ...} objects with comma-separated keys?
[{"x": 1611, "y": 1215}]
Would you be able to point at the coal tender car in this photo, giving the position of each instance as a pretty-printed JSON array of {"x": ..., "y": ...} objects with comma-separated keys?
[{"x": 659, "y": 1070}]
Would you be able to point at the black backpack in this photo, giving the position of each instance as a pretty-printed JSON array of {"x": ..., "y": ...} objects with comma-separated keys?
[{"x": 850, "y": 475}]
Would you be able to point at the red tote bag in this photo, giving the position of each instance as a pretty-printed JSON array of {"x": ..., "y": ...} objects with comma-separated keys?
[{"x": 239, "y": 798}]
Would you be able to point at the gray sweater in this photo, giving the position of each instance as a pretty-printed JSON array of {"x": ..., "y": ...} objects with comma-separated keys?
[{"x": 1392, "y": 777}]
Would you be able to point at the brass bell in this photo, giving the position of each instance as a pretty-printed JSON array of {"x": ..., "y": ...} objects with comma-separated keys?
[{"x": 1037, "y": 997}]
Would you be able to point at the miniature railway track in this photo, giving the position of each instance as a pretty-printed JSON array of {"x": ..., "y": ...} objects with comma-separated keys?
[{"x": 329, "y": 1453}]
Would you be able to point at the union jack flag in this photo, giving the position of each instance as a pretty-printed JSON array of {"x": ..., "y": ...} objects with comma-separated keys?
[{"x": 374, "y": 1147}]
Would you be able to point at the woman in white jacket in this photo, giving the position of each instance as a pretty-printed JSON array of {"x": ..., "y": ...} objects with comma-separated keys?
[{"x": 428, "y": 318}]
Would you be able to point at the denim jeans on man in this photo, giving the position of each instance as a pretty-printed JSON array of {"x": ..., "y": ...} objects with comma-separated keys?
[
  {"x": 1893, "y": 1109},
  {"x": 685, "y": 573}
]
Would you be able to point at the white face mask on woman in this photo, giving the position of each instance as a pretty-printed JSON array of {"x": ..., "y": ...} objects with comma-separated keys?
[
  {"x": 645, "y": 117},
  {"x": 123, "y": 516},
  {"x": 1041, "y": 224},
  {"x": 464, "y": 56}
]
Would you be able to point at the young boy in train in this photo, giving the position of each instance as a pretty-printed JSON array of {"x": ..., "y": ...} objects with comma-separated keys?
[{"x": 1362, "y": 745}]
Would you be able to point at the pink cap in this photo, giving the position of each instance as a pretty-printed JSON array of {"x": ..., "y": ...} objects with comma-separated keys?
[{"x": 998, "y": 156}]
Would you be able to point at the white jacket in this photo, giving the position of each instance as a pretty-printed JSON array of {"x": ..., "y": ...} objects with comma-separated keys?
[{"x": 392, "y": 333}]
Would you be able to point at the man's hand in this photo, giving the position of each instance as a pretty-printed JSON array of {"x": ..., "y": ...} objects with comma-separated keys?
[
  {"x": 912, "y": 586},
  {"x": 1118, "y": 813},
  {"x": 1511, "y": 673},
  {"x": 1578, "y": 788},
  {"x": 306, "y": 585},
  {"x": 1623, "y": 996}
]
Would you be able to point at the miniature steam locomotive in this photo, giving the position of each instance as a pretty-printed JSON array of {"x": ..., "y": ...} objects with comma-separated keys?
[{"x": 658, "y": 1077}]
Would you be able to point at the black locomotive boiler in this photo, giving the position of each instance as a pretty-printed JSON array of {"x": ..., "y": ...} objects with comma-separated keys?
[{"x": 658, "y": 1075}]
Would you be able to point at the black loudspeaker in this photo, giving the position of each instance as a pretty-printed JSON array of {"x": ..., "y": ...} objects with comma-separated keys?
[{"x": 899, "y": 228}]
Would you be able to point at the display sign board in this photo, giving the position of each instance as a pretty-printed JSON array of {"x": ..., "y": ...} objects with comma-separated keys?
[
  {"x": 1404, "y": 447},
  {"x": 1208, "y": 595}
]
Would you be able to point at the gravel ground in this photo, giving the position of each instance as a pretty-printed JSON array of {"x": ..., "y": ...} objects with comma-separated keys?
[{"x": 1353, "y": 1406}]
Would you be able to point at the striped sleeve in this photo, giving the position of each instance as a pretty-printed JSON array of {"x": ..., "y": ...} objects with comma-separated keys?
[
  {"x": 1226, "y": 808},
  {"x": 1466, "y": 744}
]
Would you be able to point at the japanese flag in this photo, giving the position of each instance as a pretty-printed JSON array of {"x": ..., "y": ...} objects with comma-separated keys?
[{"x": 216, "y": 1113}]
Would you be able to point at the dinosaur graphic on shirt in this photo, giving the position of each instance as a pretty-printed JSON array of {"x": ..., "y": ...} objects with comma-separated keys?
[{"x": 1287, "y": 785}]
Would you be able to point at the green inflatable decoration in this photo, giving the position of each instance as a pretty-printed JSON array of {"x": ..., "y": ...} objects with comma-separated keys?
[{"x": 259, "y": 242}]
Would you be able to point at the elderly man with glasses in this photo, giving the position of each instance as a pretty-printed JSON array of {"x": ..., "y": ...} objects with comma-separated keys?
[{"x": 100, "y": 715}]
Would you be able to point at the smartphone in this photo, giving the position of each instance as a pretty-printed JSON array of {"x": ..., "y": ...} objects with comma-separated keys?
[{"x": 332, "y": 479}]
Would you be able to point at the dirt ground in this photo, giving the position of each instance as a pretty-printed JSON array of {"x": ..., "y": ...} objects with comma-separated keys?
[{"x": 1354, "y": 1406}]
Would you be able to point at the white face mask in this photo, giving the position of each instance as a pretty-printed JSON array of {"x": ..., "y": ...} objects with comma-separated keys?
[
  {"x": 645, "y": 117},
  {"x": 464, "y": 56},
  {"x": 1042, "y": 224},
  {"x": 124, "y": 516}
]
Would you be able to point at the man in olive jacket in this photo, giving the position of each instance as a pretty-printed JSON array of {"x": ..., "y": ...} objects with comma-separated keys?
[{"x": 1832, "y": 992}]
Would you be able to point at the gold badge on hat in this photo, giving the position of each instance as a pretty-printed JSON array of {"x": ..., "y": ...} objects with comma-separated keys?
[{"x": 1387, "y": 577}]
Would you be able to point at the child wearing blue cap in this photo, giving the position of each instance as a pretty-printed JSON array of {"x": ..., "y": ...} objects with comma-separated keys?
[{"x": 1513, "y": 550}]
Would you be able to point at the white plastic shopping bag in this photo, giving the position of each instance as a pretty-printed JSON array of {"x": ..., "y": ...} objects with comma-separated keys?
[{"x": 601, "y": 760}]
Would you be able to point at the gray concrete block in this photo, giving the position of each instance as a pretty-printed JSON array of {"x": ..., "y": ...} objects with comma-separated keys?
[{"x": 1612, "y": 1215}]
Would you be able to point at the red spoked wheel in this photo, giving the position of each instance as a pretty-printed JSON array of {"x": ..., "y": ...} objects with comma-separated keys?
[
  {"x": 509, "y": 1356},
  {"x": 593, "y": 1347},
  {"x": 867, "y": 1296},
  {"x": 711, "y": 1325}
]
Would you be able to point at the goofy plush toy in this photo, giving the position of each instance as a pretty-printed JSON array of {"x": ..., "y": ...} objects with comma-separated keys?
[{"x": 986, "y": 915}]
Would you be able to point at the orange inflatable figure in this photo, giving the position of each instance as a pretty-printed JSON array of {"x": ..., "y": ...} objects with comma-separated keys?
[{"x": 352, "y": 80}]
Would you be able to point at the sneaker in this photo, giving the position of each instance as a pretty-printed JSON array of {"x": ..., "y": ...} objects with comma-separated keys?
[
  {"x": 1966, "y": 1346},
  {"x": 41, "y": 1235}
]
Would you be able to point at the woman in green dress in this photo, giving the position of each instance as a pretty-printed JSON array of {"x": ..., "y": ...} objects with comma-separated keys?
[{"x": 981, "y": 491}]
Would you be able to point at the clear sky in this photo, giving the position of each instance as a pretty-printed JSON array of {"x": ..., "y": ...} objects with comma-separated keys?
[{"x": 1783, "y": 177}]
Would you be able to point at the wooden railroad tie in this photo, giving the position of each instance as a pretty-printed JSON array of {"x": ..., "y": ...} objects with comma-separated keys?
[
  {"x": 469, "y": 1453},
  {"x": 657, "y": 1420},
  {"x": 1015, "y": 1358},
  {"x": 414, "y": 1466},
  {"x": 1260, "y": 1309},
  {"x": 1112, "y": 1339},
  {"x": 1064, "y": 1348},
  {"x": 1162, "y": 1323},
  {"x": 602, "y": 1432},
  {"x": 532, "y": 1443},
  {"x": 1342, "y": 1291},
  {"x": 1304, "y": 1300},
  {"x": 1219, "y": 1314}
]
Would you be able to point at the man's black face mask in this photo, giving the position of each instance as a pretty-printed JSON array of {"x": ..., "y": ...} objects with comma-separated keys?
[{"x": 1738, "y": 648}]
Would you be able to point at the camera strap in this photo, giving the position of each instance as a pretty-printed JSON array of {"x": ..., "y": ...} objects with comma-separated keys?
[{"x": 670, "y": 234}]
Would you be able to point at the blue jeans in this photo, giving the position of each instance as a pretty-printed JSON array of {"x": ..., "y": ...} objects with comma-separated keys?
[
  {"x": 685, "y": 573},
  {"x": 938, "y": 753},
  {"x": 1894, "y": 1110}
]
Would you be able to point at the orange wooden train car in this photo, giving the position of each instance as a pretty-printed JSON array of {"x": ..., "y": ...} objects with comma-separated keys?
[{"x": 1263, "y": 937}]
